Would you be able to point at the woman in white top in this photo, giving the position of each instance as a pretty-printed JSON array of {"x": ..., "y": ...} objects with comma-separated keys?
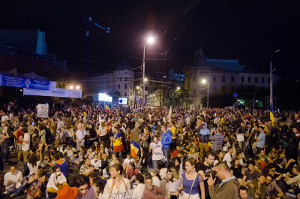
[
  {"x": 157, "y": 153},
  {"x": 117, "y": 184},
  {"x": 33, "y": 164},
  {"x": 138, "y": 191}
]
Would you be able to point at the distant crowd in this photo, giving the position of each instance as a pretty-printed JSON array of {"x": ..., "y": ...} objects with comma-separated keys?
[{"x": 93, "y": 152}]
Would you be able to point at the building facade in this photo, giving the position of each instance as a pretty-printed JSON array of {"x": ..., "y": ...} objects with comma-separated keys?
[
  {"x": 119, "y": 83},
  {"x": 221, "y": 77}
]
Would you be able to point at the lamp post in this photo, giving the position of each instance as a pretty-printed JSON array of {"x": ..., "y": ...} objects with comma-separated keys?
[
  {"x": 271, "y": 80},
  {"x": 204, "y": 81},
  {"x": 150, "y": 40}
]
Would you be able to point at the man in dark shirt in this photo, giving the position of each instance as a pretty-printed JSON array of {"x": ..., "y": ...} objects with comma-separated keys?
[
  {"x": 204, "y": 169},
  {"x": 250, "y": 173}
]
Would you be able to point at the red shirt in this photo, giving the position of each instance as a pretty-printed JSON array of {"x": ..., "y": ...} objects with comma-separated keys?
[{"x": 19, "y": 134}]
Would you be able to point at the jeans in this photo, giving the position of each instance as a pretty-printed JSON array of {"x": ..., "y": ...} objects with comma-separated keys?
[
  {"x": 5, "y": 150},
  {"x": 155, "y": 163},
  {"x": 16, "y": 191},
  {"x": 242, "y": 145},
  {"x": 167, "y": 156}
]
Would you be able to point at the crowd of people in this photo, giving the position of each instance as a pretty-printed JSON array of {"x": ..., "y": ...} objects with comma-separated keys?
[{"x": 93, "y": 152}]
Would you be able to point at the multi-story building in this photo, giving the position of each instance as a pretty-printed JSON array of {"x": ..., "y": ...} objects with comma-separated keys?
[
  {"x": 117, "y": 84},
  {"x": 221, "y": 76}
]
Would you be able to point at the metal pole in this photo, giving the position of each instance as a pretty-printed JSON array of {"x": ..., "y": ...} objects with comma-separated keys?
[
  {"x": 271, "y": 85},
  {"x": 143, "y": 100},
  {"x": 207, "y": 94}
]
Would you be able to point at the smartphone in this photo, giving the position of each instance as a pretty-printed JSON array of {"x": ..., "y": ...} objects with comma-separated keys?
[{"x": 32, "y": 123}]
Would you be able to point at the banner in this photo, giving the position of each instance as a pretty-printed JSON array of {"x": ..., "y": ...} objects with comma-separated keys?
[
  {"x": 21, "y": 82},
  {"x": 42, "y": 110},
  {"x": 57, "y": 92}
]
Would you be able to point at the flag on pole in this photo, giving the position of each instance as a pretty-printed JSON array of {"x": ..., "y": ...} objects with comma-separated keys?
[
  {"x": 134, "y": 148},
  {"x": 170, "y": 114},
  {"x": 107, "y": 108},
  {"x": 272, "y": 117}
]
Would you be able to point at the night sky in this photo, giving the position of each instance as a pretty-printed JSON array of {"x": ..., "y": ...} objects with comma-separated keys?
[{"x": 247, "y": 30}]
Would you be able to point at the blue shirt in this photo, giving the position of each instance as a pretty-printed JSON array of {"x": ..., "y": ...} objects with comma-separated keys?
[{"x": 261, "y": 142}]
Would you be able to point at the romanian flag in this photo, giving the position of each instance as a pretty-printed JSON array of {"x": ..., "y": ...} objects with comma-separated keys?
[
  {"x": 117, "y": 143},
  {"x": 134, "y": 148},
  {"x": 107, "y": 108},
  {"x": 272, "y": 117}
]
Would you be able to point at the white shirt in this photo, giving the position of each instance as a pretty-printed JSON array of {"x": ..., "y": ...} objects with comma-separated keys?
[
  {"x": 4, "y": 118},
  {"x": 240, "y": 137},
  {"x": 80, "y": 134},
  {"x": 157, "y": 153},
  {"x": 33, "y": 169},
  {"x": 58, "y": 179},
  {"x": 227, "y": 158},
  {"x": 12, "y": 177},
  {"x": 25, "y": 147},
  {"x": 96, "y": 163},
  {"x": 156, "y": 181},
  {"x": 138, "y": 191}
]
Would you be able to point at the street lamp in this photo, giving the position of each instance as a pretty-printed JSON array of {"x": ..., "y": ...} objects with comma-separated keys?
[
  {"x": 178, "y": 88},
  {"x": 150, "y": 40},
  {"x": 204, "y": 81},
  {"x": 71, "y": 87},
  {"x": 271, "y": 79},
  {"x": 77, "y": 87}
]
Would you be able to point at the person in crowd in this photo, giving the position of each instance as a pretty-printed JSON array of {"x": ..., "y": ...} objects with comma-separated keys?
[
  {"x": 20, "y": 136},
  {"x": 203, "y": 134},
  {"x": 33, "y": 164},
  {"x": 139, "y": 189},
  {"x": 80, "y": 136},
  {"x": 56, "y": 180},
  {"x": 257, "y": 187},
  {"x": 260, "y": 140},
  {"x": 166, "y": 141},
  {"x": 116, "y": 142},
  {"x": 244, "y": 193},
  {"x": 192, "y": 181},
  {"x": 25, "y": 144},
  {"x": 85, "y": 191},
  {"x": 217, "y": 140},
  {"x": 86, "y": 169},
  {"x": 229, "y": 186},
  {"x": 37, "y": 184},
  {"x": 14, "y": 181},
  {"x": 272, "y": 189},
  {"x": 152, "y": 191},
  {"x": 250, "y": 173},
  {"x": 157, "y": 153},
  {"x": 205, "y": 169},
  {"x": 117, "y": 183},
  {"x": 228, "y": 156}
]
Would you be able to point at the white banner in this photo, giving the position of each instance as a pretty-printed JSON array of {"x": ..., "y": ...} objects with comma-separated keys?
[
  {"x": 56, "y": 92},
  {"x": 42, "y": 110}
]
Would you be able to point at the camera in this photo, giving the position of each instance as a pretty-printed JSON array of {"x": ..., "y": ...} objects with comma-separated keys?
[{"x": 210, "y": 172}]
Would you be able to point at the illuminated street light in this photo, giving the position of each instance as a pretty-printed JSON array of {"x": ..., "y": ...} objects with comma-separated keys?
[
  {"x": 71, "y": 87},
  {"x": 137, "y": 87},
  {"x": 145, "y": 79},
  {"x": 205, "y": 81},
  {"x": 77, "y": 87},
  {"x": 150, "y": 40},
  {"x": 178, "y": 88}
]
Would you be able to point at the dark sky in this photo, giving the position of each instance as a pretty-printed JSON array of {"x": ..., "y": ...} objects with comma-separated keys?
[{"x": 247, "y": 30}]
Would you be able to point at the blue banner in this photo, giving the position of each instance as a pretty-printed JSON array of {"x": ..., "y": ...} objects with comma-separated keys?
[{"x": 21, "y": 82}]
